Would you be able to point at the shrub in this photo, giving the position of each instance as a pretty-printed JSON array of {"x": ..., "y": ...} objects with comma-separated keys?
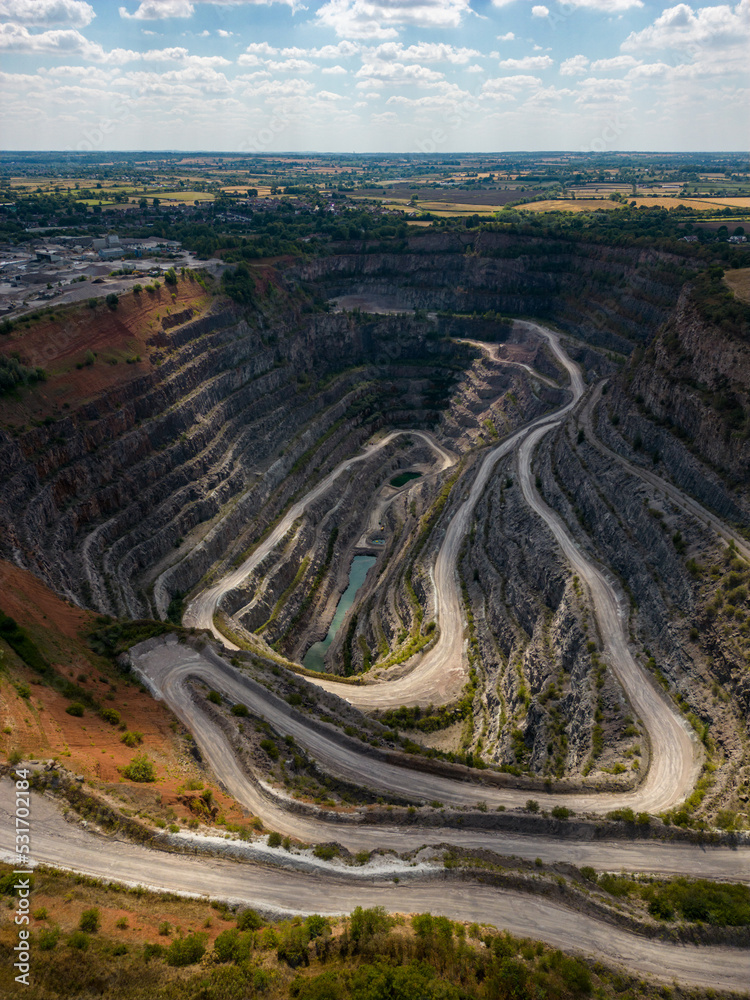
[
  {"x": 562, "y": 812},
  {"x": 110, "y": 715},
  {"x": 78, "y": 940},
  {"x": 532, "y": 806},
  {"x": 76, "y": 709},
  {"x": 90, "y": 921},
  {"x": 48, "y": 938},
  {"x": 249, "y": 920},
  {"x": 186, "y": 950},
  {"x": 112, "y": 300},
  {"x": 170, "y": 277},
  {"x": 132, "y": 738},
  {"x": 326, "y": 852},
  {"x": 270, "y": 748},
  {"x": 315, "y": 925},
  {"x": 625, "y": 815},
  {"x": 239, "y": 709},
  {"x": 140, "y": 769},
  {"x": 214, "y": 697},
  {"x": 138, "y": 288},
  {"x": 274, "y": 839}
]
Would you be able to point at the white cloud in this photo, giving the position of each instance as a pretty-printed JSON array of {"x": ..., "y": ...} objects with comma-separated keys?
[
  {"x": 224, "y": 34},
  {"x": 290, "y": 66},
  {"x": 424, "y": 52},
  {"x": 606, "y": 6},
  {"x": 156, "y": 10},
  {"x": 509, "y": 86},
  {"x": 681, "y": 27},
  {"x": 328, "y": 95},
  {"x": 372, "y": 19},
  {"x": 574, "y": 66},
  {"x": 261, "y": 49},
  {"x": 475, "y": 68},
  {"x": 334, "y": 71},
  {"x": 375, "y": 74},
  {"x": 42, "y": 13},
  {"x": 616, "y": 62},
  {"x": 63, "y": 42},
  {"x": 527, "y": 62},
  {"x": 648, "y": 71},
  {"x": 507, "y": 37},
  {"x": 540, "y": 11}
]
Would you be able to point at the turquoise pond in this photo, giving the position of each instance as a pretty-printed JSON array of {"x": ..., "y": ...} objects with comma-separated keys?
[{"x": 315, "y": 655}]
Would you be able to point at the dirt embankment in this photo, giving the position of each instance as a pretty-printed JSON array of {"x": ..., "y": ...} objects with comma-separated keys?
[
  {"x": 34, "y": 720},
  {"x": 121, "y": 340}
]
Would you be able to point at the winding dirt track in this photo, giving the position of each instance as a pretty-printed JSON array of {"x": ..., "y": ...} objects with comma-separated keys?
[
  {"x": 439, "y": 675},
  {"x": 200, "y": 611},
  {"x": 67, "y": 846},
  {"x": 167, "y": 665}
]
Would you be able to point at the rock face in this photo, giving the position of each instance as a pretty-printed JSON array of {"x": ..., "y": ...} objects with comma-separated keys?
[
  {"x": 133, "y": 498},
  {"x": 611, "y": 296},
  {"x": 695, "y": 380},
  {"x": 95, "y": 501}
]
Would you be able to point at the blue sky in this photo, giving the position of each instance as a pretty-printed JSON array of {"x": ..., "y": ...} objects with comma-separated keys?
[{"x": 374, "y": 75}]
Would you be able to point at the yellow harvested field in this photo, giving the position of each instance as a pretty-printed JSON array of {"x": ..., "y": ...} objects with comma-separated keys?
[
  {"x": 592, "y": 204},
  {"x": 442, "y": 208},
  {"x": 180, "y": 196},
  {"x": 264, "y": 190},
  {"x": 739, "y": 282}
]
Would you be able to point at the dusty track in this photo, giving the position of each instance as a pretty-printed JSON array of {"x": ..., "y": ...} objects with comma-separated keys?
[
  {"x": 200, "y": 612},
  {"x": 167, "y": 665},
  {"x": 67, "y": 846},
  {"x": 439, "y": 675}
]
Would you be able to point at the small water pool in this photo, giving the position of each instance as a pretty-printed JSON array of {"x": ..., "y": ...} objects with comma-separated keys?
[
  {"x": 405, "y": 477},
  {"x": 314, "y": 657}
]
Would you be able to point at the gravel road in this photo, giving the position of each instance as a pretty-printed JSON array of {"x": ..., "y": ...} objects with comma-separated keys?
[{"x": 67, "y": 846}]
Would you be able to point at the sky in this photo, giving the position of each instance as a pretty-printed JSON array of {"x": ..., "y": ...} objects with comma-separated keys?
[{"x": 430, "y": 76}]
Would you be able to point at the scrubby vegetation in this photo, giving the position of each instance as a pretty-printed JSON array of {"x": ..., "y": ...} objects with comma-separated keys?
[{"x": 142, "y": 946}]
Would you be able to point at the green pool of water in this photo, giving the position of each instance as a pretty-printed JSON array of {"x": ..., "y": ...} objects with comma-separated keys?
[
  {"x": 405, "y": 477},
  {"x": 316, "y": 653}
]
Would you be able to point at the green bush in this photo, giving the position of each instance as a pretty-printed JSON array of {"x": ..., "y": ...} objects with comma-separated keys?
[
  {"x": 274, "y": 839},
  {"x": 186, "y": 950},
  {"x": 112, "y": 300},
  {"x": 140, "y": 769},
  {"x": 90, "y": 921},
  {"x": 132, "y": 738},
  {"x": 110, "y": 715},
  {"x": 562, "y": 812},
  {"x": 76, "y": 709},
  {"x": 249, "y": 920},
  {"x": 325, "y": 852},
  {"x": 48, "y": 938},
  {"x": 240, "y": 709},
  {"x": 214, "y": 697},
  {"x": 78, "y": 940}
]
